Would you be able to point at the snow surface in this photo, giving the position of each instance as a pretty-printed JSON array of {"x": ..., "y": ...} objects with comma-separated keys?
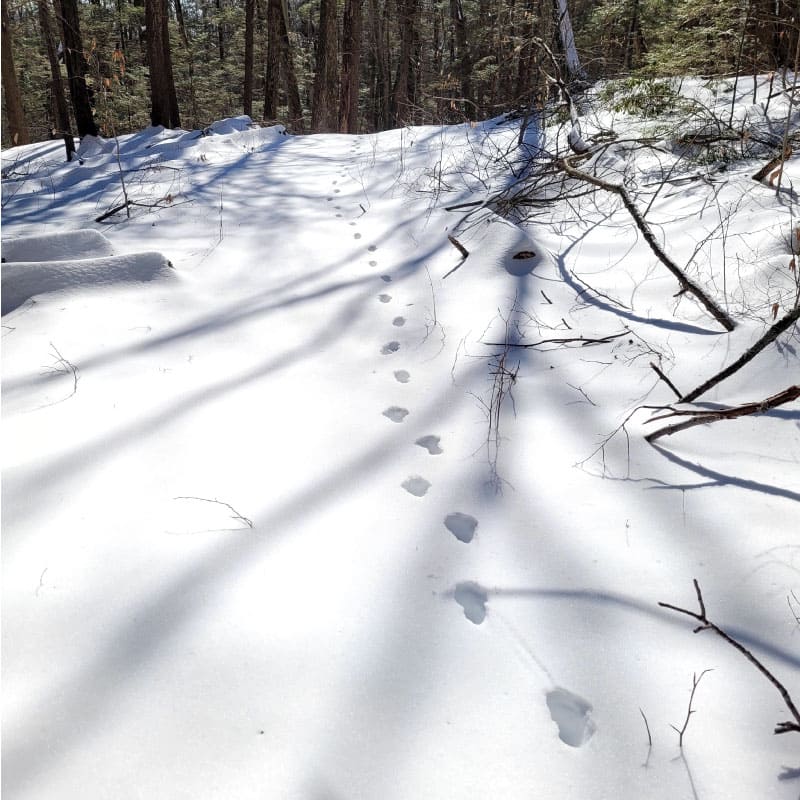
[{"x": 264, "y": 537}]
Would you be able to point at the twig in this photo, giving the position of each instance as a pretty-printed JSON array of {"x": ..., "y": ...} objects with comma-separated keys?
[
  {"x": 461, "y": 249},
  {"x": 579, "y": 340},
  {"x": 695, "y": 683},
  {"x": 236, "y": 514},
  {"x": 704, "y": 416},
  {"x": 647, "y": 728},
  {"x": 706, "y": 624},
  {"x": 666, "y": 380}
]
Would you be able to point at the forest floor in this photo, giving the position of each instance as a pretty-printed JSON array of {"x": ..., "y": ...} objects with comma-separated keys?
[{"x": 288, "y": 513}]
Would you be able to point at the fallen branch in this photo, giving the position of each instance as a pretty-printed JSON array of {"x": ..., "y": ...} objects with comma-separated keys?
[
  {"x": 706, "y": 624},
  {"x": 579, "y": 340},
  {"x": 236, "y": 514},
  {"x": 704, "y": 416},
  {"x": 776, "y": 330},
  {"x": 687, "y": 285}
]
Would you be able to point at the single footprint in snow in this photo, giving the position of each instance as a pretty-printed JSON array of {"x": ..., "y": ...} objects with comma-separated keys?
[
  {"x": 462, "y": 526},
  {"x": 390, "y": 347},
  {"x": 373, "y": 263},
  {"x": 430, "y": 443},
  {"x": 416, "y": 485},
  {"x": 472, "y": 598},
  {"x": 330, "y": 199},
  {"x": 384, "y": 298},
  {"x": 402, "y": 376},
  {"x": 372, "y": 248},
  {"x": 336, "y": 191},
  {"x": 352, "y": 223},
  {"x": 356, "y": 235},
  {"x": 573, "y": 715},
  {"x": 398, "y": 322},
  {"x": 386, "y": 278},
  {"x": 338, "y": 216},
  {"x": 395, "y": 413}
]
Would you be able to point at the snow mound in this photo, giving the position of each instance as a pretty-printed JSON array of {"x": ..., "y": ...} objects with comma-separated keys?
[
  {"x": 23, "y": 280},
  {"x": 57, "y": 246},
  {"x": 230, "y": 125}
]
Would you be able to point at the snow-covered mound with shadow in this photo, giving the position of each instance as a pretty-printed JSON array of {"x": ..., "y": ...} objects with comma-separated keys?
[{"x": 68, "y": 263}]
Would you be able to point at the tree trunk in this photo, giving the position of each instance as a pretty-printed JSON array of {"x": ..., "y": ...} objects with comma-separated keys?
[
  {"x": 163, "y": 99},
  {"x": 574, "y": 68},
  {"x": 380, "y": 85},
  {"x": 59, "y": 98},
  {"x": 351, "y": 63},
  {"x": 249, "y": 26},
  {"x": 324, "y": 118},
  {"x": 463, "y": 59},
  {"x": 272, "y": 71},
  {"x": 76, "y": 68},
  {"x": 17, "y": 125},
  {"x": 405, "y": 82}
]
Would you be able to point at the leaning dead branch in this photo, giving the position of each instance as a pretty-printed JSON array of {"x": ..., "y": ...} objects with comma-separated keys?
[
  {"x": 704, "y": 416},
  {"x": 707, "y": 625},
  {"x": 235, "y": 515},
  {"x": 776, "y": 330},
  {"x": 688, "y": 286},
  {"x": 461, "y": 249}
]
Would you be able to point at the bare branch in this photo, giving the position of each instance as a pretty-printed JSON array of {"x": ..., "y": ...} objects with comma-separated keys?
[
  {"x": 704, "y": 416},
  {"x": 706, "y": 624}
]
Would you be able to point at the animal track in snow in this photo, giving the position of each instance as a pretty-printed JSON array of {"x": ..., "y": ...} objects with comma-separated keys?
[
  {"x": 472, "y": 598},
  {"x": 384, "y": 298},
  {"x": 462, "y": 526},
  {"x": 398, "y": 322},
  {"x": 573, "y": 715},
  {"x": 402, "y": 376},
  {"x": 352, "y": 223},
  {"x": 431, "y": 444},
  {"x": 416, "y": 485},
  {"x": 386, "y": 278},
  {"x": 356, "y": 235},
  {"x": 390, "y": 347},
  {"x": 373, "y": 263},
  {"x": 336, "y": 191},
  {"x": 372, "y": 248},
  {"x": 395, "y": 413}
]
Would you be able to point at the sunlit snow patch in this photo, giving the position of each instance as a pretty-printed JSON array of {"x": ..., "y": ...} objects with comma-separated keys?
[
  {"x": 572, "y": 714},
  {"x": 472, "y": 598},
  {"x": 57, "y": 246}
]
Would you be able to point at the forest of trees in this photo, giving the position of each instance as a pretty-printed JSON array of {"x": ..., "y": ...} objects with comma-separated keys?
[{"x": 83, "y": 67}]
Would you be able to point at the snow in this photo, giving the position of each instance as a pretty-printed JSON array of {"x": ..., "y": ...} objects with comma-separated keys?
[{"x": 266, "y": 535}]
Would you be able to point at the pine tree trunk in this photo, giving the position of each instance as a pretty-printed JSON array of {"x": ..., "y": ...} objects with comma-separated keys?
[
  {"x": 463, "y": 60},
  {"x": 405, "y": 81},
  {"x": 17, "y": 125},
  {"x": 324, "y": 117},
  {"x": 59, "y": 98},
  {"x": 76, "y": 68},
  {"x": 249, "y": 26},
  {"x": 163, "y": 98},
  {"x": 351, "y": 63},
  {"x": 380, "y": 84},
  {"x": 287, "y": 62}
]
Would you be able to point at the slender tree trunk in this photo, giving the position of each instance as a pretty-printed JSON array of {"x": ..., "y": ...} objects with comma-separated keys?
[
  {"x": 181, "y": 23},
  {"x": 220, "y": 31},
  {"x": 380, "y": 92},
  {"x": 324, "y": 117},
  {"x": 163, "y": 98},
  {"x": 249, "y": 27},
  {"x": 405, "y": 82},
  {"x": 287, "y": 63},
  {"x": 17, "y": 125},
  {"x": 574, "y": 68},
  {"x": 351, "y": 64},
  {"x": 59, "y": 98},
  {"x": 272, "y": 70},
  {"x": 76, "y": 68},
  {"x": 463, "y": 58}
]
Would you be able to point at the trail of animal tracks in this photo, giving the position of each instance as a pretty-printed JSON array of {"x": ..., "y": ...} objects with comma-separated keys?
[{"x": 280, "y": 521}]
